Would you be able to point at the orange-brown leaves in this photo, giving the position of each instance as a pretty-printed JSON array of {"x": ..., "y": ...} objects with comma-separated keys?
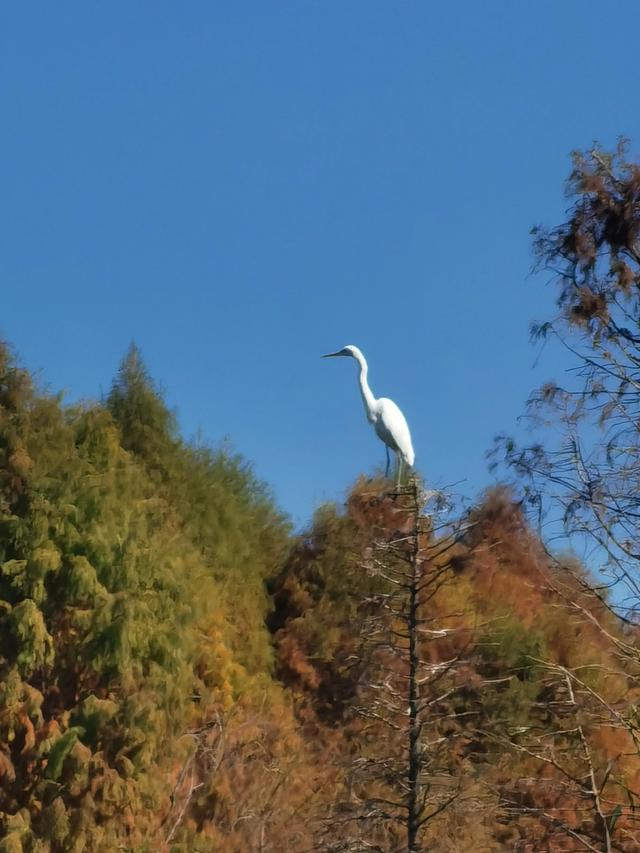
[
  {"x": 589, "y": 306},
  {"x": 294, "y": 665},
  {"x": 595, "y": 254},
  {"x": 7, "y": 770}
]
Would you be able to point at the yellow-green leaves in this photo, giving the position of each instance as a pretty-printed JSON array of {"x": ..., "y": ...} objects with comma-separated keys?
[
  {"x": 60, "y": 750},
  {"x": 35, "y": 644}
]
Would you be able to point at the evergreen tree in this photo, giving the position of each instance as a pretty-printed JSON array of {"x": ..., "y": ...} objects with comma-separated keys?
[
  {"x": 147, "y": 428},
  {"x": 118, "y": 633}
]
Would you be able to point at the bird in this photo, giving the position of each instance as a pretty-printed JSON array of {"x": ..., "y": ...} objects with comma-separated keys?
[{"x": 386, "y": 418}]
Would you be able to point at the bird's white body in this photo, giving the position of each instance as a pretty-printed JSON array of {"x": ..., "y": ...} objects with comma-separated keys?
[
  {"x": 392, "y": 428},
  {"x": 386, "y": 418}
]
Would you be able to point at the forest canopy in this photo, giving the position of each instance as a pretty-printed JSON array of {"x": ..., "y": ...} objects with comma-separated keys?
[{"x": 182, "y": 671}]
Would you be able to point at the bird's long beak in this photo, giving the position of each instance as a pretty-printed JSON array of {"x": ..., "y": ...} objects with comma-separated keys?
[{"x": 333, "y": 354}]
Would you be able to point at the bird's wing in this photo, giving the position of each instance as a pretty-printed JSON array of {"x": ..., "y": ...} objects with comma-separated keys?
[{"x": 393, "y": 429}]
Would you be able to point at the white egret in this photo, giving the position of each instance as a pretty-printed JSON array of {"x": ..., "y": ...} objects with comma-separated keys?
[{"x": 387, "y": 419}]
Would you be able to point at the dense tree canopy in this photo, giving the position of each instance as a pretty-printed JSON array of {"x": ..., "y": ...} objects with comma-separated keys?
[
  {"x": 180, "y": 671},
  {"x": 123, "y": 553}
]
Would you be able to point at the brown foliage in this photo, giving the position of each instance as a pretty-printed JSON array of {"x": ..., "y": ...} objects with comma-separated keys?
[{"x": 507, "y": 609}]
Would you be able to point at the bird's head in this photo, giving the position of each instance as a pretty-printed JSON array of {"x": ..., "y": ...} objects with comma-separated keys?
[{"x": 349, "y": 350}]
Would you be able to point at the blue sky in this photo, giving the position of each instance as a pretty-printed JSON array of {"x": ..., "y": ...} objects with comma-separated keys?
[{"x": 241, "y": 187}]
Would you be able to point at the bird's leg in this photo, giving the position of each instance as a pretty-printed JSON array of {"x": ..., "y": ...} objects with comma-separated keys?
[
  {"x": 386, "y": 470},
  {"x": 400, "y": 466}
]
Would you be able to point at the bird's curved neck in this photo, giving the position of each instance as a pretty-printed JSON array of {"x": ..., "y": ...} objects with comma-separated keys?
[{"x": 367, "y": 395}]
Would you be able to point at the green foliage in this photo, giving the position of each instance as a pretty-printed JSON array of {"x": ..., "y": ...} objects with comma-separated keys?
[
  {"x": 93, "y": 717},
  {"x": 511, "y": 653},
  {"x": 27, "y": 628},
  {"x": 147, "y": 428},
  {"x": 60, "y": 750},
  {"x": 514, "y": 648},
  {"x": 132, "y": 602}
]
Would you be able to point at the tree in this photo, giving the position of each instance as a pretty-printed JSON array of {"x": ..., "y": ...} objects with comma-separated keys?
[
  {"x": 101, "y": 600},
  {"x": 147, "y": 427},
  {"x": 343, "y": 654},
  {"x": 586, "y": 485},
  {"x": 407, "y": 769},
  {"x": 593, "y": 473},
  {"x": 118, "y": 630}
]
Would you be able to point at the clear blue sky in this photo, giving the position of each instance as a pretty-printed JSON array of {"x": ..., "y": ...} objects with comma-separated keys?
[{"x": 243, "y": 186}]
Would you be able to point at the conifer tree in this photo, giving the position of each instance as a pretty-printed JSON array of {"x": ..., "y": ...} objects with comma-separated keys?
[
  {"x": 147, "y": 427},
  {"x": 406, "y": 774},
  {"x": 117, "y": 631}
]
